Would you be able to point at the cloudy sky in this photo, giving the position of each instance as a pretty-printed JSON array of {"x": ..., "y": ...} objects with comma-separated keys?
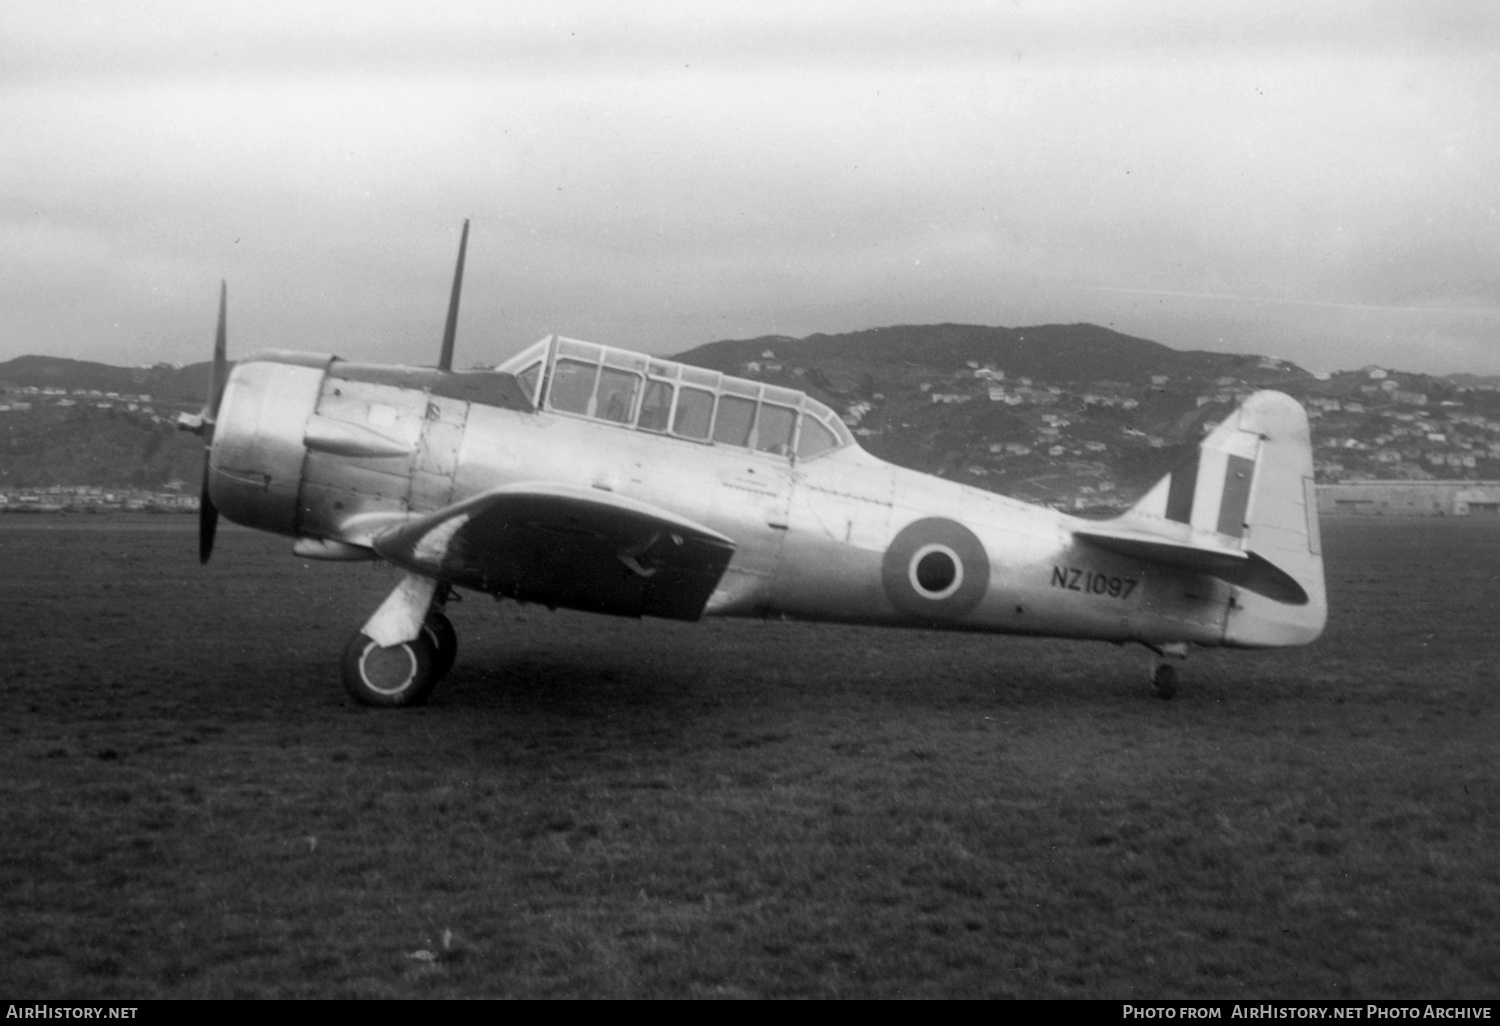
[{"x": 1314, "y": 181}]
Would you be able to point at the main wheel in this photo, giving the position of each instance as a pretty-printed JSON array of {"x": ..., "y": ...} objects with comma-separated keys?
[
  {"x": 1164, "y": 681},
  {"x": 439, "y": 631},
  {"x": 389, "y": 677}
]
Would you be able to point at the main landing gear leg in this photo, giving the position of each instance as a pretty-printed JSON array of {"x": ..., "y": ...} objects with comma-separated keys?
[
  {"x": 439, "y": 631},
  {"x": 404, "y": 649},
  {"x": 1164, "y": 674}
]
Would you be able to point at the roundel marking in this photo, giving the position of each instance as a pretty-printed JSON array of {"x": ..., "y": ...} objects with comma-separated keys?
[{"x": 936, "y": 569}]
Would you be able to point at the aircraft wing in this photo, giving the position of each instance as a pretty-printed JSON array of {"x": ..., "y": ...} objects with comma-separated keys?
[
  {"x": 561, "y": 545},
  {"x": 1246, "y": 569}
]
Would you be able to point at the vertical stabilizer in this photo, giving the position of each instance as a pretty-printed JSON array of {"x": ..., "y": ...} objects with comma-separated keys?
[{"x": 1250, "y": 491}]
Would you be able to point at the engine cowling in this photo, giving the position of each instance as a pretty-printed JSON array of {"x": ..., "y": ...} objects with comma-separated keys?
[{"x": 255, "y": 465}]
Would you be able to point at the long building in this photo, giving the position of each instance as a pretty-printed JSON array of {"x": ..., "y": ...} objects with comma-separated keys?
[{"x": 1410, "y": 498}]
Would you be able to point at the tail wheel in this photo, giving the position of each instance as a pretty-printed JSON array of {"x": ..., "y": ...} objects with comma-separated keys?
[
  {"x": 439, "y": 631},
  {"x": 396, "y": 675},
  {"x": 1164, "y": 681}
]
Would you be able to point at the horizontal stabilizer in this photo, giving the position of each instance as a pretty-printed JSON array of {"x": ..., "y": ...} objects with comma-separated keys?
[{"x": 1246, "y": 569}]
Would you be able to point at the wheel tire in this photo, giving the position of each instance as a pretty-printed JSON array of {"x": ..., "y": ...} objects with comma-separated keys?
[
  {"x": 389, "y": 677},
  {"x": 444, "y": 639},
  {"x": 1164, "y": 682}
]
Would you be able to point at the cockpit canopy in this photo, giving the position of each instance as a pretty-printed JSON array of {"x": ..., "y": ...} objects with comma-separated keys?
[{"x": 649, "y": 394}]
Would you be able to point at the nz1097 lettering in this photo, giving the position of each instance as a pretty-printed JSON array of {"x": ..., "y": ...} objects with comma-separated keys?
[{"x": 1072, "y": 578}]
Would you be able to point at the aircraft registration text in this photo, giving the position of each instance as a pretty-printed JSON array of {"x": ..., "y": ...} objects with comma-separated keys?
[{"x": 1074, "y": 579}]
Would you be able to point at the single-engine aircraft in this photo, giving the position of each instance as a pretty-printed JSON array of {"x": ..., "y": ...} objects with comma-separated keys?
[{"x": 588, "y": 477}]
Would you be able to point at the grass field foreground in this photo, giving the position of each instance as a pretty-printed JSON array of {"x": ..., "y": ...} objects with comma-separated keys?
[{"x": 190, "y": 806}]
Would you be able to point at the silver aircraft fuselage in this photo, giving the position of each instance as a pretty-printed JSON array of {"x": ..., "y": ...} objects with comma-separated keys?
[{"x": 332, "y": 453}]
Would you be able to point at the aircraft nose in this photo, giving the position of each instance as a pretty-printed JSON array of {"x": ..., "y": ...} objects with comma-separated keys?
[{"x": 255, "y": 467}]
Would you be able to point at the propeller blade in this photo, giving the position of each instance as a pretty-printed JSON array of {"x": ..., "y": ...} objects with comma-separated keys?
[
  {"x": 450, "y": 330},
  {"x": 221, "y": 362},
  {"x": 208, "y": 514},
  {"x": 208, "y": 518}
]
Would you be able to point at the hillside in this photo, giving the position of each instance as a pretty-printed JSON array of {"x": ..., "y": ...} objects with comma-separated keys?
[
  {"x": 86, "y": 445},
  {"x": 1057, "y": 353},
  {"x": 1074, "y": 415},
  {"x": 1083, "y": 416},
  {"x": 71, "y": 422},
  {"x": 163, "y": 382}
]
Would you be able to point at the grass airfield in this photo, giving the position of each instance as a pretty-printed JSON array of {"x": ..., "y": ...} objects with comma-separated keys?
[{"x": 190, "y": 806}]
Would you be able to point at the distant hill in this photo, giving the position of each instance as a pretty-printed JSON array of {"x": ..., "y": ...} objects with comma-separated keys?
[
  {"x": 1048, "y": 413},
  {"x": 73, "y": 422},
  {"x": 86, "y": 445},
  {"x": 1052, "y": 352},
  {"x": 163, "y": 382},
  {"x": 1073, "y": 414}
]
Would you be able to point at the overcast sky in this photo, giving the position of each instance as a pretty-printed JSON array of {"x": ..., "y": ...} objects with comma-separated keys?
[{"x": 1317, "y": 181}]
